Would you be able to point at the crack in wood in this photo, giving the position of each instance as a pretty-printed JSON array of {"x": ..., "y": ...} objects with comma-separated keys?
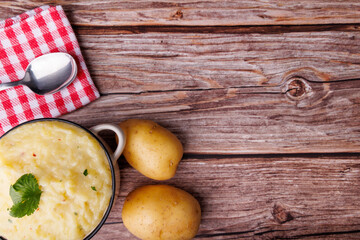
[
  {"x": 263, "y": 29},
  {"x": 337, "y": 80},
  {"x": 112, "y": 223},
  {"x": 268, "y": 156},
  {"x": 247, "y": 90}
]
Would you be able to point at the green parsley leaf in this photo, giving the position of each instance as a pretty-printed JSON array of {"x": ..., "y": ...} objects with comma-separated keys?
[
  {"x": 25, "y": 194},
  {"x": 93, "y": 188},
  {"x": 85, "y": 172}
]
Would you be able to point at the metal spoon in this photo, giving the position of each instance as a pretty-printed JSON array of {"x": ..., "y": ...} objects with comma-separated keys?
[{"x": 48, "y": 73}]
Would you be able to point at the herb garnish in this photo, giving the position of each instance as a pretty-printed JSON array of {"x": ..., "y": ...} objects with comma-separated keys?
[
  {"x": 25, "y": 194},
  {"x": 93, "y": 188},
  {"x": 85, "y": 172}
]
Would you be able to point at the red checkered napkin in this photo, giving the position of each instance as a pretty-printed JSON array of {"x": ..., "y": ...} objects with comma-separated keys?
[{"x": 25, "y": 37}]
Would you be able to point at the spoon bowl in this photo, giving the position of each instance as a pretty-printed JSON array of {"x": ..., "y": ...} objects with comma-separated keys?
[{"x": 47, "y": 74}]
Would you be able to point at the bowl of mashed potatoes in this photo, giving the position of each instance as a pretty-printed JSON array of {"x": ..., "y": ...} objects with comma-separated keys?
[{"x": 75, "y": 179}]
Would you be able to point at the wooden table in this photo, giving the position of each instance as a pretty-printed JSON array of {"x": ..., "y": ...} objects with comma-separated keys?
[{"x": 264, "y": 95}]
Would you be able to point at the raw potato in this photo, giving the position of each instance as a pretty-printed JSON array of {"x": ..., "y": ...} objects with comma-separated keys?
[
  {"x": 161, "y": 212},
  {"x": 151, "y": 149}
]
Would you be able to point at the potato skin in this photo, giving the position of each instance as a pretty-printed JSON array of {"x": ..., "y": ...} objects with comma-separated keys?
[
  {"x": 161, "y": 212},
  {"x": 151, "y": 149}
]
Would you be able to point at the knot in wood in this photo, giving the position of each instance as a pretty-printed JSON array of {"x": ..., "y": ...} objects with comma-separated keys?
[
  {"x": 178, "y": 15},
  {"x": 280, "y": 214},
  {"x": 297, "y": 88},
  {"x": 306, "y": 87}
]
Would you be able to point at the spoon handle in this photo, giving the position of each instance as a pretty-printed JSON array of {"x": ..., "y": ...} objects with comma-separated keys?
[{"x": 7, "y": 85}]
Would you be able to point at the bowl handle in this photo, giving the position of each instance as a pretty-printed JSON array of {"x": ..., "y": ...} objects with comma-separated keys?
[{"x": 119, "y": 133}]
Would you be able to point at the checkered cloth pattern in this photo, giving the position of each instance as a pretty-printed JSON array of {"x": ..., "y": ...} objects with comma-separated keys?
[{"x": 25, "y": 37}]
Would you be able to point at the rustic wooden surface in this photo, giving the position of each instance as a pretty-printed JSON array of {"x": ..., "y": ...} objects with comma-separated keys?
[{"x": 264, "y": 95}]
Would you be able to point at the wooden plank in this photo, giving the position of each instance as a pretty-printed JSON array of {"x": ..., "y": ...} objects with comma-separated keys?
[
  {"x": 153, "y": 61},
  {"x": 243, "y": 120},
  {"x": 192, "y": 13},
  {"x": 261, "y": 197}
]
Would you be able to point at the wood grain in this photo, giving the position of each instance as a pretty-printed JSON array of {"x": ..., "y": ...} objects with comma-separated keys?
[
  {"x": 197, "y": 13},
  {"x": 261, "y": 197},
  {"x": 152, "y": 61}
]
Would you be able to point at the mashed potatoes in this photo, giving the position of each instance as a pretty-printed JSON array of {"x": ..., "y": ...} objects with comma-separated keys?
[{"x": 57, "y": 154}]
